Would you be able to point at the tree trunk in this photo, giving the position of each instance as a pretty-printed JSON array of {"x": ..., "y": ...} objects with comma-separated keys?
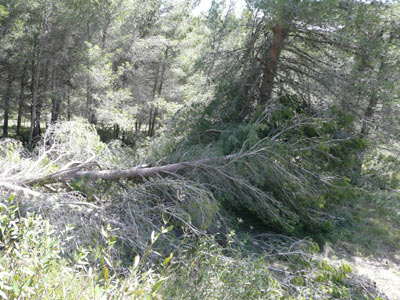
[
  {"x": 116, "y": 131},
  {"x": 40, "y": 101},
  {"x": 136, "y": 172},
  {"x": 68, "y": 105},
  {"x": 7, "y": 98},
  {"x": 153, "y": 122},
  {"x": 21, "y": 98},
  {"x": 55, "y": 101},
  {"x": 164, "y": 66},
  {"x": 88, "y": 111},
  {"x": 366, "y": 124},
  {"x": 156, "y": 81},
  {"x": 271, "y": 63},
  {"x": 150, "y": 121},
  {"x": 104, "y": 34},
  {"x": 35, "y": 86},
  {"x": 161, "y": 79}
]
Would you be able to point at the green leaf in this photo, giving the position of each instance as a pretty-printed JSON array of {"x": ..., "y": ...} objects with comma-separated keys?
[
  {"x": 156, "y": 287},
  {"x": 166, "y": 261},
  {"x": 106, "y": 273}
]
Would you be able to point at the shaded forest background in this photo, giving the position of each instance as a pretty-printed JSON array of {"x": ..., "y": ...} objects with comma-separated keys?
[{"x": 223, "y": 155}]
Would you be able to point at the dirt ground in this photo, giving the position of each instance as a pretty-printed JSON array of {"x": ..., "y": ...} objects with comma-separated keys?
[{"x": 383, "y": 272}]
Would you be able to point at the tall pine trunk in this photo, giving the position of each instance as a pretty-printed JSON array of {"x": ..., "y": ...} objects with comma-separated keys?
[
  {"x": 21, "y": 98},
  {"x": 36, "y": 77},
  {"x": 68, "y": 105},
  {"x": 40, "y": 101},
  {"x": 88, "y": 110},
  {"x": 7, "y": 98},
  {"x": 55, "y": 101}
]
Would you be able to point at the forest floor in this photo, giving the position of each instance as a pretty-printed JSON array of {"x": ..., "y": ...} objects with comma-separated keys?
[
  {"x": 371, "y": 244},
  {"x": 384, "y": 273}
]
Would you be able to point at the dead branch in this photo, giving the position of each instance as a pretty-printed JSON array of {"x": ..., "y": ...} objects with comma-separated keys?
[{"x": 18, "y": 188}]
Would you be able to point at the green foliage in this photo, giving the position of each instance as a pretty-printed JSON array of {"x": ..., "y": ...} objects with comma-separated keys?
[
  {"x": 3, "y": 12},
  {"x": 34, "y": 266},
  {"x": 210, "y": 271},
  {"x": 288, "y": 154}
]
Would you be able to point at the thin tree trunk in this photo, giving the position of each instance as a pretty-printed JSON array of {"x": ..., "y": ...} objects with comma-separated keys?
[
  {"x": 164, "y": 66},
  {"x": 116, "y": 131},
  {"x": 161, "y": 79},
  {"x": 366, "y": 124},
  {"x": 55, "y": 101},
  {"x": 35, "y": 88},
  {"x": 105, "y": 31},
  {"x": 368, "y": 116},
  {"x": 153, "y": 122},
  {"x": 156, "y": 81},
  {"x": 40, "y": 101},
  {"x": 365, "y": 129},
  {"x": 123, "y": 135},
  {"x": 7, "y": 97},
  {"x": 88, "y": 111},
  {"x": 150, "y": 121},
  {"x": 68, "y": 105},
  {"x": 271, "y": 63},
  {"x": 21, "y": 98}
]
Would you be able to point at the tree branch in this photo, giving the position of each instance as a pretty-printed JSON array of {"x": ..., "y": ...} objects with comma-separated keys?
[{"x": 18, "y": 188}]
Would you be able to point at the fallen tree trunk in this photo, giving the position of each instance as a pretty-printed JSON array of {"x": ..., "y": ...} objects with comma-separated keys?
[{"x": 136, "y": 172}]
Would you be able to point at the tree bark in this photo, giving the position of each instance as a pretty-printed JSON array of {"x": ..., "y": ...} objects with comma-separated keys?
[
  {"x": 35, "y": 87},
  {"x": 271, "y": 63},
  {"x": 116, "y": 131},
  {"x": 21, "y": 98},
  {"x": 156, "y": 81},
  {"x": 40, "y": 101},
  {"x": 88, "y": 111},
  {"x": 366, "y": 124},
  {"x": 7, "y": 98},
  {"x": 153, "y": 122},
  {"x": 55, "y": 101},
  {"x": 163, "y": 69},
  {"x": 150, "y": 121},
  {"x": 68, "y": 105}
]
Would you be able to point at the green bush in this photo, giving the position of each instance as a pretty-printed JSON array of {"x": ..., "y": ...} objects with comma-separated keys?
[
  {"x": 33, "y": 265},
  {"x": 210, "y": 271}
]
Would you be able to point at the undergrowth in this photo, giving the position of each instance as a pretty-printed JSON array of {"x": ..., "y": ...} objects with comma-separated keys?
[{"x": 34, "y": 266}]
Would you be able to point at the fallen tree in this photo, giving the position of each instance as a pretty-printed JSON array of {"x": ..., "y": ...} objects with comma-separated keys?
[{"x": 141, "y": 171}]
